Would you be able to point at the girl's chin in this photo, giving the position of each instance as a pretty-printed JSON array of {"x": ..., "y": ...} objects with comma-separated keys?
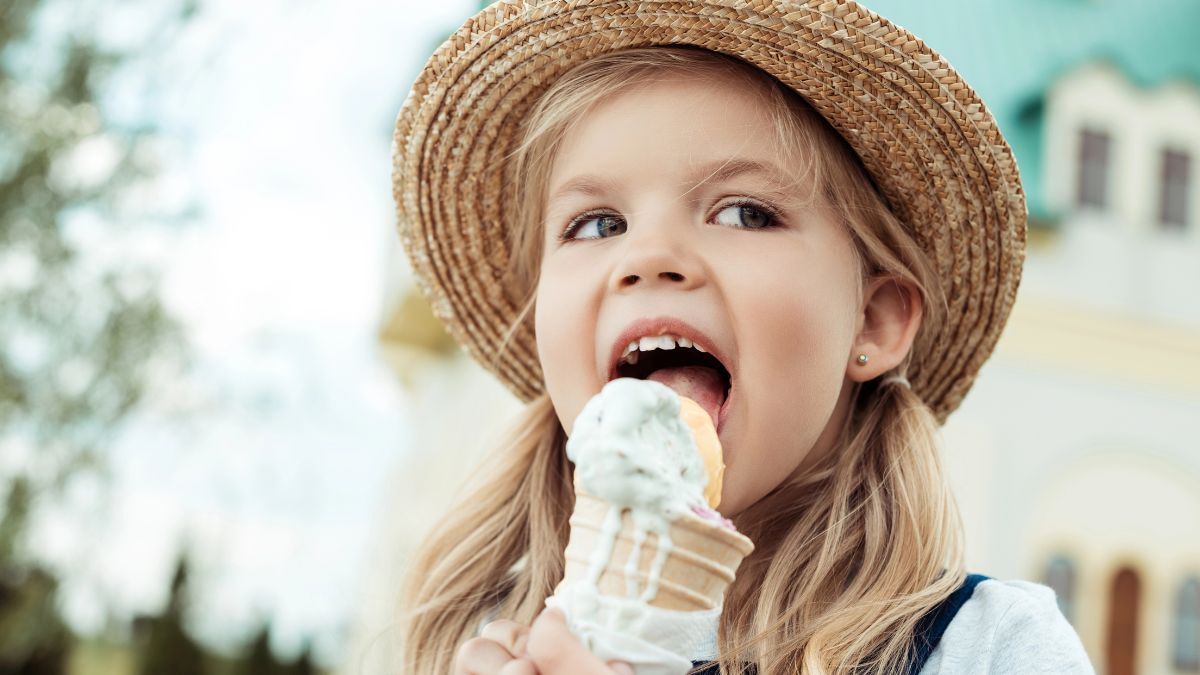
[
  {"x": 733, "y": 498},
  {"x": 730, "y": 512}
]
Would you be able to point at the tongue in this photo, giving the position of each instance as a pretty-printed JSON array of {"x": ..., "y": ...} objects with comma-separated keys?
[{"x": 701, "y": 384}]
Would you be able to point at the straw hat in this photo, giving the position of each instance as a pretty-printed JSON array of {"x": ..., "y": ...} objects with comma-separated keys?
[{"x": 926, "y": 138}]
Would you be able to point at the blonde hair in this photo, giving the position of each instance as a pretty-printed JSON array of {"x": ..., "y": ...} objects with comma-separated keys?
[{"x": 848, "y": 557}]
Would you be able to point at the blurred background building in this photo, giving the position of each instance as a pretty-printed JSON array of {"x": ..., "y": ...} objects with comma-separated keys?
[{"x": 1075, "y": 458}]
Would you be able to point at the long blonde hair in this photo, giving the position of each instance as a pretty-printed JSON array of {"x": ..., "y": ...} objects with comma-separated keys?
[{"x": 848, "y": 557}]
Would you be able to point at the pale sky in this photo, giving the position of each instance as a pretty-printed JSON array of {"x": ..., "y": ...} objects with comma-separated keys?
[{"x": 279, "y": 127}]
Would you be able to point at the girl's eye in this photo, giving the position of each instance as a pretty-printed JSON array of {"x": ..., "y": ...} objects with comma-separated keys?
[
  {"x": 596, "y": 226},
  {"x": 750, "y": 216},
  {"x": 747, "y": 215}
]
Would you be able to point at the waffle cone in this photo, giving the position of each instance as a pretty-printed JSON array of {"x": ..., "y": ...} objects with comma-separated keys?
[{"x": 701, "y": 565}]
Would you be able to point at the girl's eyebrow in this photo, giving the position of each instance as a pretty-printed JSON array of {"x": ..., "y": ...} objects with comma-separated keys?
[
  {"x": 587, "y": 184},
  {"x": 711, "y": 172},
  {"x": 726, "y": 169}
]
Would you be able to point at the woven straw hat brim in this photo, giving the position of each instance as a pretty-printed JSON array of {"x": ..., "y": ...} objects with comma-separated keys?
[{"x": 924, "y": 135}]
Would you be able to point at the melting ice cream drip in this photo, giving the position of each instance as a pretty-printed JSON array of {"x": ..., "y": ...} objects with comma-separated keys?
[
  {"x": 631, "y": 448},
  {"x": 643, "y": 455}
]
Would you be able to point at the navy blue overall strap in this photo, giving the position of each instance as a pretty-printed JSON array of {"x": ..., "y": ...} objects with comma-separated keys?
[
  {"x": 930, "y": 628},
  {"x": 933, "y": 625}
]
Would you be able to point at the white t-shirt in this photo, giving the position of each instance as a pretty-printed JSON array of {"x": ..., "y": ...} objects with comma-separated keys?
[
  {"x": 1004, "y": 628},
  {"x": 1009, "y": 627}
]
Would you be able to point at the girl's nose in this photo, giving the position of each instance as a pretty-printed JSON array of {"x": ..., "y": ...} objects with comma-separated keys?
[{"x": 658, "y": 254}]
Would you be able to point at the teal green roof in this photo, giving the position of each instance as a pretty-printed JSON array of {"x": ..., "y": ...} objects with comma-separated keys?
[{"x": 1011, "y": 51}]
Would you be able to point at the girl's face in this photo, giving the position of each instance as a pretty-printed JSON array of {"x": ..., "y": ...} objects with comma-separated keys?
[{"x": 678, "y": 202}]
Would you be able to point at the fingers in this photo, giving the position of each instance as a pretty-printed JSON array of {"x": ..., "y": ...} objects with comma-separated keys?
[
  {"x": 519, "y": 667},
  {"x": 508, "y": 634},
  {"x": 555, "y": 651},
  {"x": 480, "y": 656},
  {"x": 551, "y": 645},
  {"x": 620, "y": 667}
]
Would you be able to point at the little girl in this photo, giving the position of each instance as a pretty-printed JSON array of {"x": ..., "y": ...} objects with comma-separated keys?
[{"x": 823, "y": 221}]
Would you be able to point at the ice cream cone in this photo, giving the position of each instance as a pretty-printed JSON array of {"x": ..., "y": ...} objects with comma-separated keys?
[{"x": 701, "y": 564}]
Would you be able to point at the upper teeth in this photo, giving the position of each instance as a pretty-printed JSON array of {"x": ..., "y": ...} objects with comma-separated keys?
[{"x": 650, "y": 343}]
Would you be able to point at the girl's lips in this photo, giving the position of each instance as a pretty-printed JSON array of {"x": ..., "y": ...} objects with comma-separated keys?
[{"x": 664, "y": 325}]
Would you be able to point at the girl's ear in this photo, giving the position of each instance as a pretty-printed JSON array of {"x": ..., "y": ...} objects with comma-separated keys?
[{"x": 887, "y": 325}]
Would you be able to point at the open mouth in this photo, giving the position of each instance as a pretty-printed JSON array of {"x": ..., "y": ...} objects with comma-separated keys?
[{"x": 690, "y": 372}]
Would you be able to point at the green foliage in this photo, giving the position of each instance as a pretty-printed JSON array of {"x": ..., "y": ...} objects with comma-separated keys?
[
  {"x": 80, "y": 335},
  {"x": 260, "y": 658},
  {"x": 169, "y": 650},
  {"x": 33, "y": 639},
  {"x": 303, "y": 665},
  {"x": 83, "y": 336}
]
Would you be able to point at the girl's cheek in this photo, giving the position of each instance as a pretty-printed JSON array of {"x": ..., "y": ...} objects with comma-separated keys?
[{"x": 565, "y": 346}]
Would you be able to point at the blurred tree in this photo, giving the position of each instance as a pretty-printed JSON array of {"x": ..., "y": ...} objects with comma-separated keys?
[
  {"x": 260, "y": 658},
  {"x": 33, "y": 639},
  {"x": 169, "y": 650},
  {"x": 81, "y": 334},
  {"x": 303, "y": 665}
]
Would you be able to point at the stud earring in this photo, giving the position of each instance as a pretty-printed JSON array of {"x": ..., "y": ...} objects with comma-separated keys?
[{"x": 862, "y": 359}]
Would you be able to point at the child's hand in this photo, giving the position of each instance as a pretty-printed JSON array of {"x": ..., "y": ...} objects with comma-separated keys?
[
  {"x": 548, "y": 648},
  {"x": 500, "y": 643},
  {"x": 553, "y": 650}
]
